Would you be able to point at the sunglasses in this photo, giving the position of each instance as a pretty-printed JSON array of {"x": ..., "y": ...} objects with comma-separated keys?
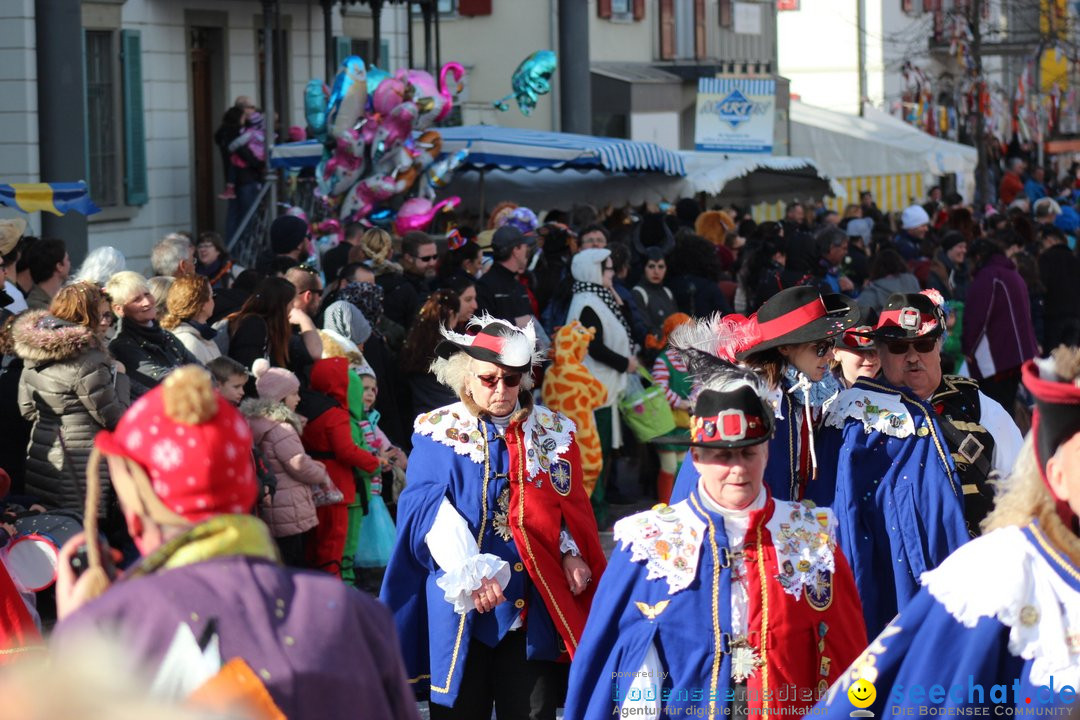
[
  {"x": 822, "y": 348},
  {"x": 606, "y": 268},
  {"x": 921, "y": 346},
  {"x": 509, "y": 380},
  {"x": 427, "y": 258}
]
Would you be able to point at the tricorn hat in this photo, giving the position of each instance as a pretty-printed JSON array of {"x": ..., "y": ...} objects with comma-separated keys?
[
  {"x": 908, "y": 316},
  {"x": 497, "y": 341},
  {"x": 1057, "y": 410},
  {"x": 800, "y": 315}
]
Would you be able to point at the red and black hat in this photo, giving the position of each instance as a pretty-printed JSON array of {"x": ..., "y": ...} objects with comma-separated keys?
[
  {"x": 908, "y": 316},
  {"x": 728, "y": 419},
  {"x": 856, "y": 338},
  {"x": 496, "y": 341},
  {"x": 1056, "y": 417},
  {"x": 800, "y": 315}
]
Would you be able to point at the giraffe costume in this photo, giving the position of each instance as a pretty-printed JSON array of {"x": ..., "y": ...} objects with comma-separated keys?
[{"x": 571, "y": 389}]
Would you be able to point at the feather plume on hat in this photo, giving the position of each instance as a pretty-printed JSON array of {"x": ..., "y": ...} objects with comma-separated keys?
[
  {"x": 516, "y": 346},
  {"x": 703, "y": 346}
]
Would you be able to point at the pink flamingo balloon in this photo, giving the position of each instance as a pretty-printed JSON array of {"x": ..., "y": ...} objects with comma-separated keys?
[
  {"x": 445, "y": 95},
  {"x": 417, "y": 213}
]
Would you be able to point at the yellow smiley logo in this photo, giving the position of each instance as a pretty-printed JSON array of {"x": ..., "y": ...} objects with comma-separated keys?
[{"x": 862, "y": 694}]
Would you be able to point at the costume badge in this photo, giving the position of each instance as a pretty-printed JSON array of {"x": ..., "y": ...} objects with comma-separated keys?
[
  {"x": 819, "y": 592},
  {"x": 560, "y": 476}
]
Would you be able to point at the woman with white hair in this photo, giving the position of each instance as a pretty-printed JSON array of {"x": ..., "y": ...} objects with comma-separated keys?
[
  {"x": 497, "y": 550},
  {"x": 611, "y": 353},
  {"x": 148, "y": 351},
  {"x": 100, "y": 265}
]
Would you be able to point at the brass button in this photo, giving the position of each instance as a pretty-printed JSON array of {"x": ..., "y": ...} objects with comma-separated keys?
[
  {"x": 518, "y": 567},
  {"x": 519, "y": 603}
]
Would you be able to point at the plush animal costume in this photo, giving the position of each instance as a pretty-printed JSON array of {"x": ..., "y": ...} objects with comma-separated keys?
[{"x": 571, "y": 389}]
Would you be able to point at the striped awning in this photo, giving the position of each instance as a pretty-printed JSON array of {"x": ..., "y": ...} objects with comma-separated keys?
[
  {"x": 515, "y": 149},
  {"x": 55, "y": 198},
  {"x": 892, "y": 193}
]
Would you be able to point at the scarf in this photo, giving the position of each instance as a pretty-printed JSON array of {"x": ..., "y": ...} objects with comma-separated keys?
[
  {"x": 205, "y": 331},
  {"x": 216, "y": 271},
  {"x": 368, "y": 298},
  {"x": 607, "y": 297},
  {"x": 218, "y": 537}
]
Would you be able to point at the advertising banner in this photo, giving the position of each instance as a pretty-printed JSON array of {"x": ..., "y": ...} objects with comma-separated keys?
[{"x": 735, "y": 115}]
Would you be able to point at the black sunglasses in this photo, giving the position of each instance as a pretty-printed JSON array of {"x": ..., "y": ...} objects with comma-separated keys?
[
  {"x": 821, "y": 349},
  {"x": 899, "y": 347},
  {"x": 509, "y": 380},
  {"x": 427, "y": 258}
]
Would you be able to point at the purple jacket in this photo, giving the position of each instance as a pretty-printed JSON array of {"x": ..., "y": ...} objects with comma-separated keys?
[
  {"x": 998, "y": 335},
  {"x": 323, "y": 650}
]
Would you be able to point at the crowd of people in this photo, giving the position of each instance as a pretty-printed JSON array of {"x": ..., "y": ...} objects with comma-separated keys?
[{"x": 844, "y": 458}]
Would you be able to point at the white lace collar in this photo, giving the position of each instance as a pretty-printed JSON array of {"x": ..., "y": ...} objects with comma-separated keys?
[
  {"x": 547, "y": 433},
  {"x": 1004, "y": 576}
]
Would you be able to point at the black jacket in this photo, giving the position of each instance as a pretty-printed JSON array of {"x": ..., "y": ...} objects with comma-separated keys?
[
  {"x": 148, "y": 355},
  {"x": 499, "y": 293},
  {"x": 403, "y": 294}
]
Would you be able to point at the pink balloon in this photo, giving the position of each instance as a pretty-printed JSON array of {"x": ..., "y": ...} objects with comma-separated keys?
[{"x": 417, "y": 213}]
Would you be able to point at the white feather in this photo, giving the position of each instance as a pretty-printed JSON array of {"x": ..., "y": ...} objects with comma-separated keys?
[{"x": 520, "y": 348}]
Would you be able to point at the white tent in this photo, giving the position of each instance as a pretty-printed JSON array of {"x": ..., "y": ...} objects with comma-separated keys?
[{"x": 878, "y": 152}]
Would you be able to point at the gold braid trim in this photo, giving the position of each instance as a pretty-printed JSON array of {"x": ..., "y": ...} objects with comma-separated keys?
[
  {"x": 528, "y": 545},
  {"x": 479, "y": 536},
  {"x": 764, "y": 620},
  {"x": 718, "y": 649}
]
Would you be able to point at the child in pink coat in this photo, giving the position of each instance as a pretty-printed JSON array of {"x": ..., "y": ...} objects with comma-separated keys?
[{"x": 276, "y": 429}]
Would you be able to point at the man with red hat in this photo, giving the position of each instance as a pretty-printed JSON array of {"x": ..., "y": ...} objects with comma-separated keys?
[
  {"x": 180, "y": 461},
  {"x": 997, "y": 624},
  {"x": 908, "y": 459}
]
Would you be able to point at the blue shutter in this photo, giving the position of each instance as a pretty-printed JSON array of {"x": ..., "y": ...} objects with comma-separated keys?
[
  {"x": 342, "y": 49},
  {"x": 136, "y": 191}
]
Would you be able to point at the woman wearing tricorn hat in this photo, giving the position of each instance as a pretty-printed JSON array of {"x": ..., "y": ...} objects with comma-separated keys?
[
  {"x": 497, "y": 548},
  {"x": 789, "y": 343},
  {"x": 996, "y": 623},
  {"x": 730, "y": 602}
]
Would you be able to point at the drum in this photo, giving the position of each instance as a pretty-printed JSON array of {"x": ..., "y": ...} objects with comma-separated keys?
[{"x": 33, "y": 555}]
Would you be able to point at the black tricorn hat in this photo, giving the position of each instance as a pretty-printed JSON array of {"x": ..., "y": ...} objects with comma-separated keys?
[
  {"x": 727, "y": 419},
  {"x": 800, "y": 315},
  {"x": 908, "y": 316}
]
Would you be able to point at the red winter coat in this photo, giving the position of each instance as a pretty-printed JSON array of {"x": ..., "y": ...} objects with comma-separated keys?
[{"x": 328, "y": 436}]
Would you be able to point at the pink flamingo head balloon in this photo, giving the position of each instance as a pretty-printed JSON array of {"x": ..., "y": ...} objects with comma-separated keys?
[{"x": 417, "y": 213}]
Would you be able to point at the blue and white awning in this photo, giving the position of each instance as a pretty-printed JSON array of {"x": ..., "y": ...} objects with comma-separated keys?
[
  {"x": 514, "y": 149},
  {"x": 306, "y": 153}
]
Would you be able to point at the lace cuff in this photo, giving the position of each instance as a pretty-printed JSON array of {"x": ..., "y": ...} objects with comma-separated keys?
[
  {"x": 459, "y": 584},
  {"x": 567, "y": 544}
]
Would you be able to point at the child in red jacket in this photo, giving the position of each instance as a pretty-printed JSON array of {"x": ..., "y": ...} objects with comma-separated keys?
[{"x": 328, "y": 437}]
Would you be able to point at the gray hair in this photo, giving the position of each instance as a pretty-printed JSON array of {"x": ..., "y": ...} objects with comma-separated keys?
[
  {"x": 454, "y": 372},
  {"x": 167, "y": 255},
  {"x": 100, "y": 265}
]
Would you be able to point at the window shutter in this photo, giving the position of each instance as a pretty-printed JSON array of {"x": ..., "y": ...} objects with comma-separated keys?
[
  {"x": 472, "y": 8},
  {"x": 135, "y": 184},
  {"x": 667, "y": 29},
  {"x": 699, "y": 29},
  {"x": 726, "y": 19},
  {"x": 343, "y": 49},
  {"x": 639, "y": 10},
  {"x": 603, "y": 8}
]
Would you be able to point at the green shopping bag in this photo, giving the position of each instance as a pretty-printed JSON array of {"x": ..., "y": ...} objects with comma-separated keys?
[{"x": 645, "y": 408}]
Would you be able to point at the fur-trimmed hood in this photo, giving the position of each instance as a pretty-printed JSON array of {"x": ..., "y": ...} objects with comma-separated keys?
[
  {"x": 39, "y": 337},
  {"x": 275, "y": 411}
]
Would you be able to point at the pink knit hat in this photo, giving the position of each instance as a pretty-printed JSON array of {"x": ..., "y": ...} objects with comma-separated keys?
[{"x": 273, "y": 384}]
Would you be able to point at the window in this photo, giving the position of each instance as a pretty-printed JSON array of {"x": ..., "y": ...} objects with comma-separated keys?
[
  {"x": 102, "y": 117},
  {"x": 620, "y": 7},
  {"x": 115, "y": 125},
  {"x": 445, "y": 7}
]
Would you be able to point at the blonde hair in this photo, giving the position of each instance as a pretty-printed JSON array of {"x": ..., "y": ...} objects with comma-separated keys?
[
  {"x": 186, "y": 297},
  {"x": 378, "y": 245},
  {"x": 455, "y": 371},
  {"x": 1024, "y": 497},
  {"x": 159, "y": 287},
  {"x": 125, "y": 286}
]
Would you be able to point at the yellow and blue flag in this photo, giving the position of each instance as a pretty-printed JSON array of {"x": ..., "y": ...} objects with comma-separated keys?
[{"x": 56, "y": 198}]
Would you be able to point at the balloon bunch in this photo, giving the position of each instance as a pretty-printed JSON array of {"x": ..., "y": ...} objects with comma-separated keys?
[{"x": 373, "y": 158}]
